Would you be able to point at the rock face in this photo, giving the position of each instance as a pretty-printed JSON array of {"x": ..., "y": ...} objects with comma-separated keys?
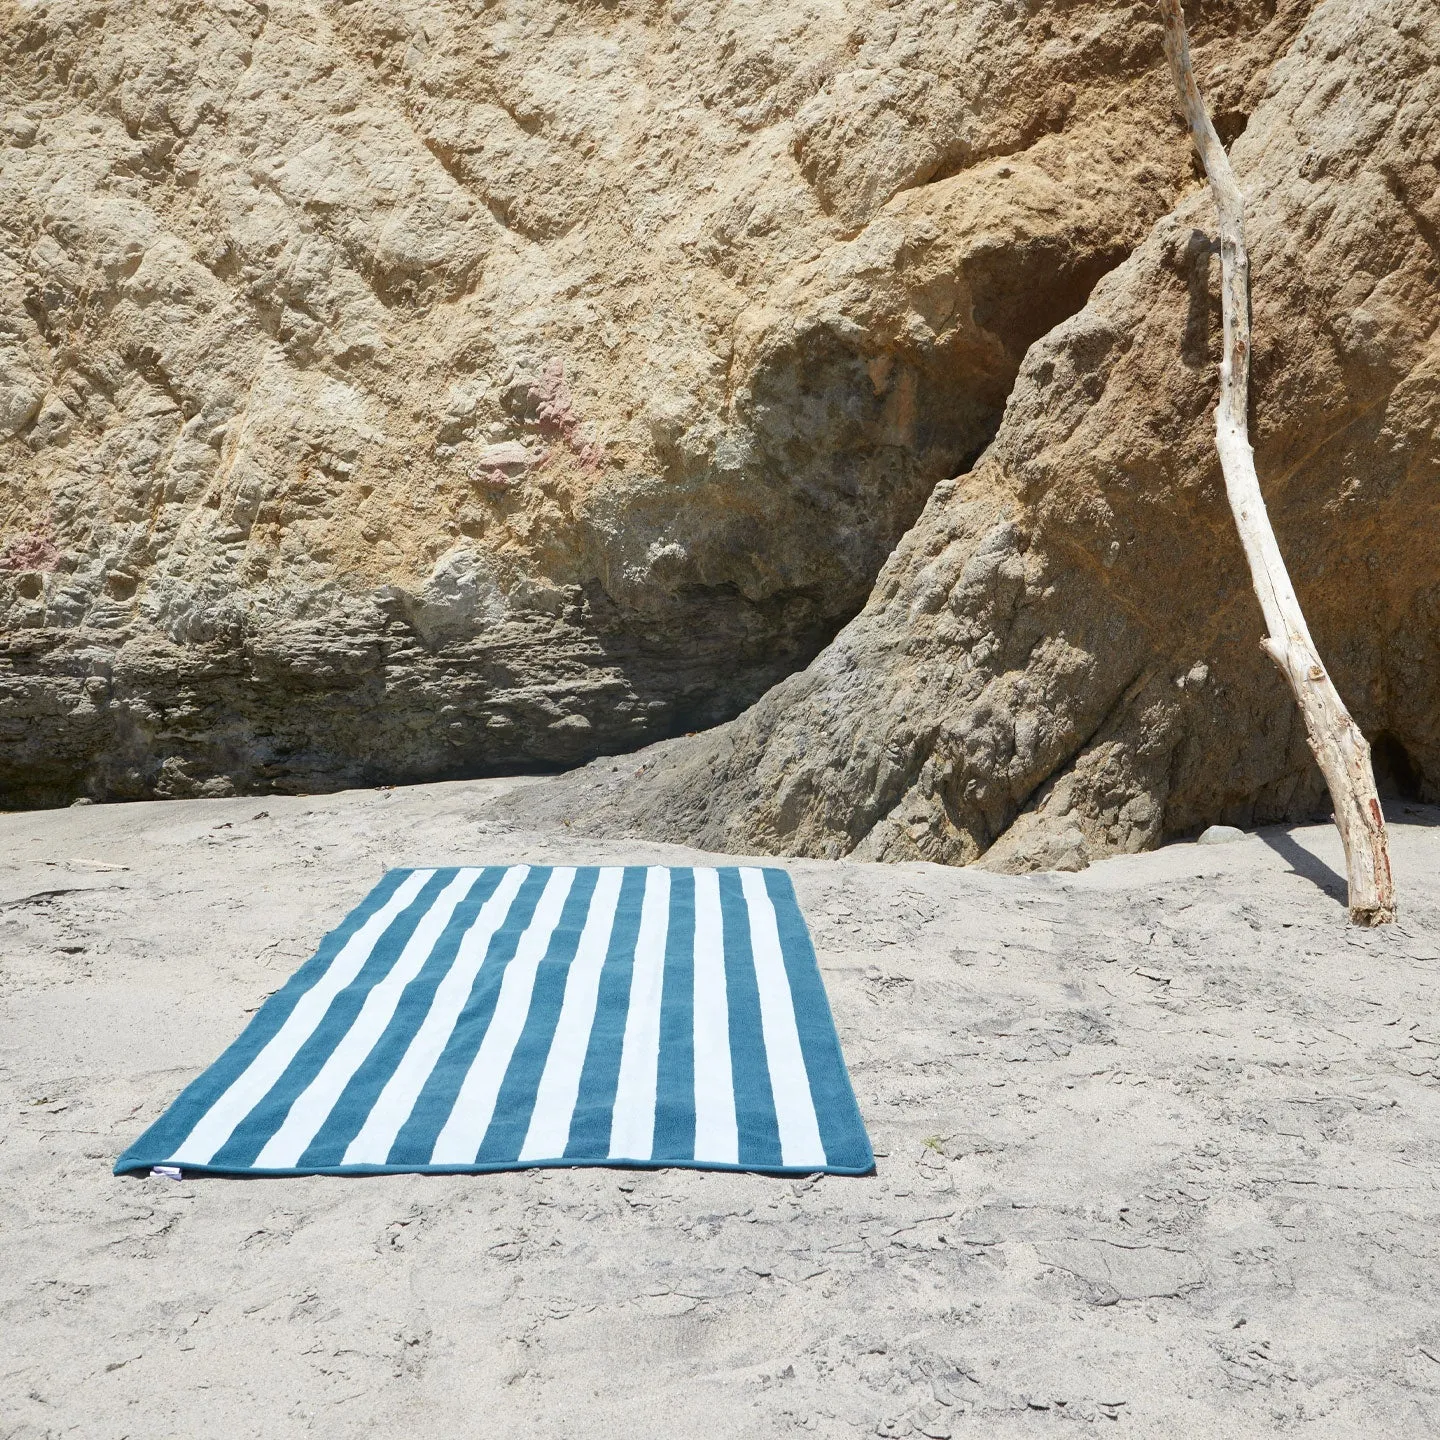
[
  {"x": 393, "y": 391},
  {"x": 1060, "y": 660}
]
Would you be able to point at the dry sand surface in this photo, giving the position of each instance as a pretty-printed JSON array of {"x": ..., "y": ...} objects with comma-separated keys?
[{"x": 1157, "y": 1147}]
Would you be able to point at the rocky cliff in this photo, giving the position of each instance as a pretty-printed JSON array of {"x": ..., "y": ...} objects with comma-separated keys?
[
  {"x": 1061, "y": 658},
  {"x": 401, "y": 390}
]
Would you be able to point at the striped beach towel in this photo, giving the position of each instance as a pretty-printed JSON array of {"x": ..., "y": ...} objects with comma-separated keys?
[{"x": 492, "y": 1018}]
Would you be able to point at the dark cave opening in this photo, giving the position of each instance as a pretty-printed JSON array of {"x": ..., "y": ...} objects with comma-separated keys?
[{"x": 1396, "y": 774}]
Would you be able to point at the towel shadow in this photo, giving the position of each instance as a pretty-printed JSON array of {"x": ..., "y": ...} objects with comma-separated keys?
[{"x": 1303, "y": 863}]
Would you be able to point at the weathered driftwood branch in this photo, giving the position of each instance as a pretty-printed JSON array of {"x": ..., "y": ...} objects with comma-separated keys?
[{"x": 1340, "y": 749}]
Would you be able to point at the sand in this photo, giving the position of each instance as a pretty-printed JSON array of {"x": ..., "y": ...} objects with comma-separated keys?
[{"x": 1156, "y": 1152}]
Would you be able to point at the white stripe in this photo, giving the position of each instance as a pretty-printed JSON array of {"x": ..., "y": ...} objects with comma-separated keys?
[
  {"x": 789, "y": 1084},
  {"x": 632, "y": 1124},
  {"x": 717, "y": 1139},
  {"x": 312, "y": 1107},
  {"x": 218, "y": 1123},
  {"x": 392, "y": 1109},
  {"x": 549, "y": 1131},
  {"x": 460, "y": 1139}
]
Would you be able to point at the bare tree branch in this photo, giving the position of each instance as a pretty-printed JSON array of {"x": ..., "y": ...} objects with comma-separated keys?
[{"x": 1340, "y": 749}]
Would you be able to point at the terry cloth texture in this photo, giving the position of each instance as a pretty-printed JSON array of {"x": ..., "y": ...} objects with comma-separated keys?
[{"x": 502, "y": 1017}]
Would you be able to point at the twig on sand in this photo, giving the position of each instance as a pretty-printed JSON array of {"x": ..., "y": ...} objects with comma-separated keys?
[{"x": 50, "y": 894}]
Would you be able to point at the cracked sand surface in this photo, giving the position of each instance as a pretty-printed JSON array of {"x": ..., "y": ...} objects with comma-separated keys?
[{"x": 1156, "y": 1147}]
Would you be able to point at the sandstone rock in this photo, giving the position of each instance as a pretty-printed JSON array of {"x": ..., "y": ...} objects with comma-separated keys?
[
  {"x": 1061, "y": 659},
  {"x": 287, "y": 293}
]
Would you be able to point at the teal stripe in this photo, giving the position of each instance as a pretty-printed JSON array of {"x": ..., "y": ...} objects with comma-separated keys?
[
  {"x": 675, "y": 1083},
  {"x": 590, "y": 1124},
  {"x": 754, "y": 1102},
  {"x": 842, "y": 1131}
]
